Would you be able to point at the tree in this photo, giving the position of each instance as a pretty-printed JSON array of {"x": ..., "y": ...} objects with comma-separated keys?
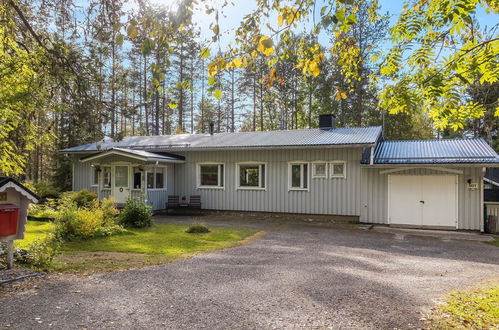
[{"x": 434, "y": 78}]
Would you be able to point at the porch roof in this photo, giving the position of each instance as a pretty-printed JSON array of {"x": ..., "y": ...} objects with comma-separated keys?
[{"x": 145, "y": 156}]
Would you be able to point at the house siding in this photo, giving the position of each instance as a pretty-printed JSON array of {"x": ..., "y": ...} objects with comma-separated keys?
[
  {"x": 325, "y": 196},
  {"x": 82, "y": 179},
  {"x": 374, "y": 203}
]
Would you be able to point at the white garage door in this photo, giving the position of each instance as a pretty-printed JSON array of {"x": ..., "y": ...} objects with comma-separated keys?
[{"x": 419, "y": 200}]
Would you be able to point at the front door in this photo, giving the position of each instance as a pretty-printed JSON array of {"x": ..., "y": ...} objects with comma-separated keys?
[{"x": 121, "y": 189}]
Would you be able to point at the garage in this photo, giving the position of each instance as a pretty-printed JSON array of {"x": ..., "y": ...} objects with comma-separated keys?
[{"x": 423, "y": 200}]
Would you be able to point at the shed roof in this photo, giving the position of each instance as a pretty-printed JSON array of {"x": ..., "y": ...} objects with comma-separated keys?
[
  {"x": 7, "y": 182},
  {"x": 445, "y": 151},
  {"x": 240, "y": 140}
]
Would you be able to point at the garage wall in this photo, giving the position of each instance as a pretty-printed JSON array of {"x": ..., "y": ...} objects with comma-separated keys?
[
  {"x": 325, "y": 196},
  {"x": 374, "y": 195}
]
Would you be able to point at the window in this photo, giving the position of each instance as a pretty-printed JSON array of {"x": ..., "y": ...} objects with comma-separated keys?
[
  {"x": 210, "y": 175},
  {"x": 251, "y": 176},
  {"x": 121, "y": 176},
  {"x": 298, "y": 176},
  {"x": 338, "y": 169},
  {"x": 319, "y": 170},
  {"x": 137, "y": 178},
  {"x": 95, "y": 175},
  {"x": 106, "y": 177},
  {"x": 156, "y": 178}
]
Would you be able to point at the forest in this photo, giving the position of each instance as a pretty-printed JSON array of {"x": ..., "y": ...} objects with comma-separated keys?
[{"x": 74, "y": 72}]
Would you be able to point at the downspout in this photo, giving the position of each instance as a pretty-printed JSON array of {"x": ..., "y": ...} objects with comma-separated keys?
[
  {"x": 482, "y": 203},
  {"x": 371, "y": 161}
]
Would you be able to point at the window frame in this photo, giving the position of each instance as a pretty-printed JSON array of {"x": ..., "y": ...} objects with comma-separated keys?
[
  {"x": 104, "y": 187},
  {"x": 321, "y": 176},
  {"x": 290, "y": 179},
  {"x": 221, "y": 178},
  {"x": 95, "y": 171},
  {"x": 153, "y": 171},
  {"x": 337, "y": 176},
  {"x": 259, "y": 164}
]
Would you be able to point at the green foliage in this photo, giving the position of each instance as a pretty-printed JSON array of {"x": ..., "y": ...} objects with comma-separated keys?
[
  {"x": 136, "y": 214},
  {"x": 40, "y": 252},
  {"x": 197, "y": 229},
  {"x": 82, "y": 198},
  {"x": 477, "y": 308},
  {"x": 46, "y": 210},
  {"x": 95, "y": 220},
  {"x": 46, "y": 189}
]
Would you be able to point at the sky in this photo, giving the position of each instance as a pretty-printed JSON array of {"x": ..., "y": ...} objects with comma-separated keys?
[{"x": 234, "y": 13}]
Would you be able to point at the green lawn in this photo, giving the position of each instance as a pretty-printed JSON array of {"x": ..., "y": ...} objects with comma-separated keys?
[
  {"x": 477, "y": 308},
  {"x": 495, "y": 242},
  {"x": 34, "y": 230},
  {"x": 136, "y": 248}
]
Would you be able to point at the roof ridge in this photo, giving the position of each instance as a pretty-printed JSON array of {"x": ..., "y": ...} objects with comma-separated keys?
[{"x": 436, "y": 140}]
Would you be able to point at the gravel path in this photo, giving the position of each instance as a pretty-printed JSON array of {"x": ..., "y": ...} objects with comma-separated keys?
[{"x": 295, "y": 277}]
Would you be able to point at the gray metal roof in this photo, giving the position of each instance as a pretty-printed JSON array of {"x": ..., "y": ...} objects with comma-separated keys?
[
  {"x": 449, "y": 151},
  {"x": 265, "y": 139}
]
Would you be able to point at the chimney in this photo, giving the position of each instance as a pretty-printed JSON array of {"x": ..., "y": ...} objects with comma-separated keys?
[
  {"x": 327, "y": 122},
  {"x": 212, "y": 127}
]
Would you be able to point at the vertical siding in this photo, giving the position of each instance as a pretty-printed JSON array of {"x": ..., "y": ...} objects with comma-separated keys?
[
  {"x": 82, "y": 179},
  {"x": 374, "y": 201},
  {"x": 157, "y": 199},
  {"x": 325, "y": 196}
]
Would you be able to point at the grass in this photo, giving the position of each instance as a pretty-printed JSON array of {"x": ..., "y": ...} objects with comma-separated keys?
[
  {"x": 495, "y": 242},
  {"x": 476, "y": 308},
  {"x": 34, "y": 230},
  {"x": 135, "y": 248}
]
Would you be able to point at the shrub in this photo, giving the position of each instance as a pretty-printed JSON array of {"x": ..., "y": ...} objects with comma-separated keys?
[
  {"x": 40, "y": 253},
  {"x": 43, "y": 189},
  {"x": 45, "y": 210},
  {"x": 109, "y": 211},
  {"x": 136, "y": 214},
  {"x": 197, "y": 229},
  {"x": 95, "y": 221},
  {"x": 82, "y": 199}
]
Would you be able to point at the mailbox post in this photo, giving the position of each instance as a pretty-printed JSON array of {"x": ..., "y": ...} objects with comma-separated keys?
[{"x": 14, "y": 202}]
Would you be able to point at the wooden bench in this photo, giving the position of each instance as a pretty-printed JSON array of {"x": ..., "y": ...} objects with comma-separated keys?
[
  {"x": 195, "y": 202},
  {"x": 174, "y": 203}
]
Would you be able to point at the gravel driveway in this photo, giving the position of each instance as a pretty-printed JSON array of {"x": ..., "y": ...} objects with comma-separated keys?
[{"x": 293, "y": 277}]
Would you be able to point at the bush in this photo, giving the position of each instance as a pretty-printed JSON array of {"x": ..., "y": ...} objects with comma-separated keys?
[
  {"x": 40, "y": 253},
  {"x": 45, "y": 210},
  {"x": 94, "y": 221},
  {"x": 82, "y": 199},
  {"x": 136, "y": 214},
  {"x": 197, "y": 229},
  {"x": 43, "y": 189},
  {"x": 109, "y": 211}
]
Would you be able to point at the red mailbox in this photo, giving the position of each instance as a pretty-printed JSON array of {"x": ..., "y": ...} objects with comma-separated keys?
[{"x": 8, "y": 219}]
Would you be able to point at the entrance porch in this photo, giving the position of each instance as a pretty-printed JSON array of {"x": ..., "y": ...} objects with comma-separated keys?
[{"x": 127, "y": 173}]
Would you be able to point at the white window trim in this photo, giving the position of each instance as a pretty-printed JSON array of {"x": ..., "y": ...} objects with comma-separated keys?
[
  {"x": 103, "y": 177},
  {"x": 338, "y": 176},
  {"x": 198, "y": 176},
  {"x": 315, "y": 176},
  {"x": 153, "y": 170},
  {"x": 260, "y": 188},
  {"x": 298, "y": 162},
  {"x": 94, "y": 169}
]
